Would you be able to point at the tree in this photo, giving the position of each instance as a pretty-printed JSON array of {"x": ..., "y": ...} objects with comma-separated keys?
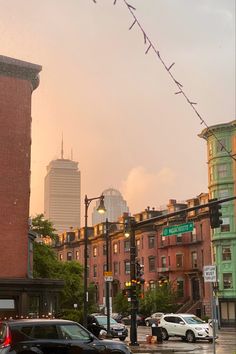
[
  {"x": 121, "y": 304},
  {"x": 46, "y": 265},
  {"x": 43, "y": 227},
  {"x": 161, "y": 299}
]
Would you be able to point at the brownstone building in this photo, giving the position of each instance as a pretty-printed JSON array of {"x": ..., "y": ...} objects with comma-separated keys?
[
  {"x": 18, "y": 79},
  {"x": 178, "y": 259}
]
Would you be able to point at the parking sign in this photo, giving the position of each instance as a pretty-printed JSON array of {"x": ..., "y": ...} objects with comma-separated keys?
[{"x": 209, "y": 273}]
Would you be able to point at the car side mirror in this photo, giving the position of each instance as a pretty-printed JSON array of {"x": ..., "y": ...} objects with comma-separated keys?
[{"x": 182, "y": 322}]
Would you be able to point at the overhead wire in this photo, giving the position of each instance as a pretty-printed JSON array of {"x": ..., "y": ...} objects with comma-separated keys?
[{"x": 150, "y": 46}]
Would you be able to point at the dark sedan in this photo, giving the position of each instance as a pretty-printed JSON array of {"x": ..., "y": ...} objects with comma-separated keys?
[
  {"x": 53, "y": 337},
  {"x": 98, "y": 323},
  {"x": 140, "y": 320}
]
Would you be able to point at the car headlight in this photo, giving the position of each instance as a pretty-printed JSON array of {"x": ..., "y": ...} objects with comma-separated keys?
[{"x": 199, "y": 328}]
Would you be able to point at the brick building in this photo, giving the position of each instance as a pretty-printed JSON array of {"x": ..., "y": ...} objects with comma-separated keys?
[
  {"x": 18, "y": 79},
  {"x": 178, "y": 258}
]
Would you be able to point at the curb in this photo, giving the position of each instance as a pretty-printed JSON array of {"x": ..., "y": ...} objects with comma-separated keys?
[{"x": 159, "y": 348}]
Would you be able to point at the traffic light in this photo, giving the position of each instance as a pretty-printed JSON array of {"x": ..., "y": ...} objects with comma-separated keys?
[
  {"x": 139, "y": 273},
  {"x": 215, "y": 214}
]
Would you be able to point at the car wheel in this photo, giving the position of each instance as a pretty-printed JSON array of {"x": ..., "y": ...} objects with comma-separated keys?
[
  {"x": 164, "y": 334},
  {"x": 147, "y": 323},
  {"x": 122, "y": 338},
  {"x": 190, "y": 337}
]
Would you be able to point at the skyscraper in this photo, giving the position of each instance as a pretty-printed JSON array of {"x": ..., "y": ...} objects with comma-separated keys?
[
  {"x": 115, "y": 207},
  {"x": 62, "y": 194}
]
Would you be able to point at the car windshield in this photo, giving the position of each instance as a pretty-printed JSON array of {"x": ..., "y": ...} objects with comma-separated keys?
[
  {"x": 103, "y": 320},
  {"x": 193, "y": 320}
]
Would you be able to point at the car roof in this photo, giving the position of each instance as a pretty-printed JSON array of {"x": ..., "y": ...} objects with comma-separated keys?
[
  {"x": 179, "y": 314},
  {"x": 36, "y": 321}
]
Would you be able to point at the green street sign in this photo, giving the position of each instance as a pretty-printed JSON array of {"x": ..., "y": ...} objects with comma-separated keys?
[{"x": 178, "y": 229}]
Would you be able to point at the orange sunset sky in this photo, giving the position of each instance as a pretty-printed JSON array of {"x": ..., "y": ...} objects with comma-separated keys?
[{"x": 115, "y": 105}]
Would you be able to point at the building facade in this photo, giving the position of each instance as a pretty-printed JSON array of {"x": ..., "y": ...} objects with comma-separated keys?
[
  {"x": 178, "y": 259},
  {"x": 62, "y": 195},
  {"x": 221, "y": 156},
  {"x": 19, "y": 293},
  {"x": 115, "y": 207}
]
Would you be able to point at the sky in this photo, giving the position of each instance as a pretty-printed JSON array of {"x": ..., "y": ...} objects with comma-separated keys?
[{"x": 115, "y": 105}]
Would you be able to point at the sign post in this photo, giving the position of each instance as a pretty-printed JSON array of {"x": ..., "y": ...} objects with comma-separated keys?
[{"x": 209, "y": 273}]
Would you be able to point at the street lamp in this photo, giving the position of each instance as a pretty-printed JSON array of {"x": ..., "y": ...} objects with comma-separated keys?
[
  {"x": 130, "y": 232},
  {"x": 101, "y": 209}
]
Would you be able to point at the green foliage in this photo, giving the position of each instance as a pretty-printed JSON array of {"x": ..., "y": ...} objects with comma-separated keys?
[
  {"x": 46, "y": 265},
  {"x": 161, "y": 299},
  {"x": 121, "y": 304},
  {"x": 43, "y": 227},
  {"x": 72, "y": 315}
]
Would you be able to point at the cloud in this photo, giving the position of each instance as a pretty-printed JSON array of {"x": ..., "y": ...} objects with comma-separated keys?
[{"x": 144, "y": 188}]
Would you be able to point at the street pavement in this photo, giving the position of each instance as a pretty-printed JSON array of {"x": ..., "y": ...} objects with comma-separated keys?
[{"x": 225, "y": 344}]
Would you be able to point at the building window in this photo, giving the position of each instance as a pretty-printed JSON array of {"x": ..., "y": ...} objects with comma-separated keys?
[
  {"x": 194, "y": 259},
  {"x": 220, "y": 144},
  {"x": 95, "y": 251},
  {"x": 210, "y": 149},
  {"x": 69, "y": 256},
  {"x": 152, "y": 285},
  {"x": 179, "y": 238},
  {"x": 138, "y": 244},
  {"x": 163, "y": 262},
  {"x": 104, "y": 268},
  {"x": 61, "y": 257},
  {"x": 179, "y": 260},
  {"x": 116, "y": 268},
  {"x": 222, "y": 170},
  {"x": 226, "y": 253},
  {"x": 115, "y": 248},
  {"x": 194, "y": 235},
  {"x": 77, "y": 255},
  {"x": 223, "y": 193},
  {"x": 127, "y": 245},
  {"x": 95, "y": 270},
  {"x": 180, "y": 288},
  {"x": 211, "y": 174},
  {"x": 227, "y": 280},
  {"x": 151, "y": 264},
  {"x": 104, "y": 249},
  {"x": 225, "y": 227},
  {"x": 151, "y": 241},
  {"x": 127, "y": 267}
]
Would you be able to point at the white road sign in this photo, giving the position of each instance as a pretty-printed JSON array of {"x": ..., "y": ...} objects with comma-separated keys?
[{"x": 209, "y": 273}]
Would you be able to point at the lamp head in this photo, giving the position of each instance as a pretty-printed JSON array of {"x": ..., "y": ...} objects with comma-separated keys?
[{"x": 101, "y": 208}]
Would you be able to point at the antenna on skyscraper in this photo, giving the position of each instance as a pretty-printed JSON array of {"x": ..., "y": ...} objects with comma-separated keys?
[
  {"x": 71, "y": 155},
  {"x": 62, "y": 151}
]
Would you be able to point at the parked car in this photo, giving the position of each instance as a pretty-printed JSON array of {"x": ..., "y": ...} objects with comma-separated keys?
[
  {"x": 188, "y": 327},
  {"x": 117, "y": 317},
  {"x": 154, "y": 318},
  {"x": 53, "y": 336},
  {"x": 140, "y": 320},
  {"x": 98, "y": 323}
]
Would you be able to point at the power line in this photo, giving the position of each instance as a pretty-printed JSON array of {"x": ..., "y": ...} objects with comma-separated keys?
[{"x": 150, "y": 46}]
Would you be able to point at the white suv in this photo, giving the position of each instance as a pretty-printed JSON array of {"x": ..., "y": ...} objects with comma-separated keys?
[{"x": 188, "y": 327}]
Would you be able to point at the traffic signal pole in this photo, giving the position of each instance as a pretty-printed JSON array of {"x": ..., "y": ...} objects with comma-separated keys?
[{"x": 134, "y": 302}]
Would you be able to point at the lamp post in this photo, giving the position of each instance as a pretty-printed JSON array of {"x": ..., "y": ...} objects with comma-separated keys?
[
  {"x": 101, "y": 209},
  {"x": 130, "y": 232},
  {"x": 107, "y": 282}
]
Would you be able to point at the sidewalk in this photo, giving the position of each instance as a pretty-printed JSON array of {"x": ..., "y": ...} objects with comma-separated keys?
[{"x": 164, "y": 348}]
